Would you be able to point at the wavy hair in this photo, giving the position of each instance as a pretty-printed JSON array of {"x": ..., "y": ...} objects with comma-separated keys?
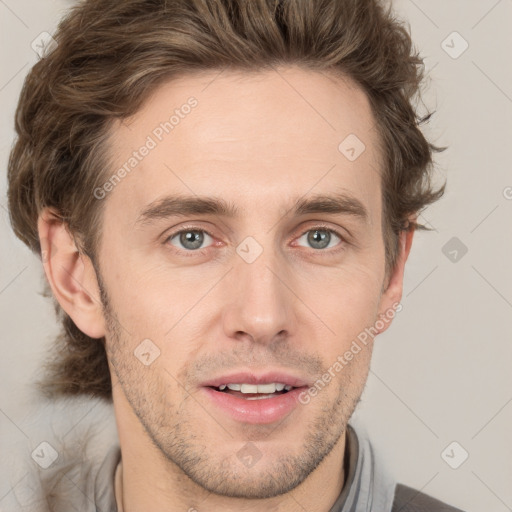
[{"x": 111, "y": 55}]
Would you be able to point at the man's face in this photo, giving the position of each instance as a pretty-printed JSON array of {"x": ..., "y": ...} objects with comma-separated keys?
[{"x": 269, "y": 294}]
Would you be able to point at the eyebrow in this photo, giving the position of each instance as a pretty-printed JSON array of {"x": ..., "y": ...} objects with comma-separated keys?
[{"x": 179, "y": 206}]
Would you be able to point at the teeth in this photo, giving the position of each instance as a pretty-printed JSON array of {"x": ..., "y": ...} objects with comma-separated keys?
[
  {"x": 269, "y": 388},
  {"x": 264, "y": 388},
  {"x": 249, "y": 388}
]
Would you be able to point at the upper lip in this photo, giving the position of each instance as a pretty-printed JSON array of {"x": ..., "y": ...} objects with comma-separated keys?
[{"x": 242, "y": 377}]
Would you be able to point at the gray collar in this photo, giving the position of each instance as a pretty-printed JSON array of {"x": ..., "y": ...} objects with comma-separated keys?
[{"x": 369, "y": 487}]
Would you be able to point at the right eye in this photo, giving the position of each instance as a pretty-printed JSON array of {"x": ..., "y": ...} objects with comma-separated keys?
[{"x": 191, "y": 239}]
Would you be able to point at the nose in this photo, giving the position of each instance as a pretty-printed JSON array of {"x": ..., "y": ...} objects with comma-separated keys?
[{"x": 260, "y": 303}]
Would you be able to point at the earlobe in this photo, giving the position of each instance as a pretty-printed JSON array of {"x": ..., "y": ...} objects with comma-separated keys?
[{"x": 70, "y": 274}]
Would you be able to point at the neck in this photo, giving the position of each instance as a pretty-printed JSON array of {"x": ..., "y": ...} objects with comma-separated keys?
[{"x": 147, "y": 483}]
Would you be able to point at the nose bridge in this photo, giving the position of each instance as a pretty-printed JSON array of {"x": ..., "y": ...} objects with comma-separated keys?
[{"x": 261, "y": 304}]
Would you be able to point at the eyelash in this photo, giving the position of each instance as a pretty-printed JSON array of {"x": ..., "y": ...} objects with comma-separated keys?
[{"x": 320, "y": 227}]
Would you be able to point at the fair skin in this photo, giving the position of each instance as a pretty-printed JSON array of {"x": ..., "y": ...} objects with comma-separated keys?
[{"x": 254, "y": 142}]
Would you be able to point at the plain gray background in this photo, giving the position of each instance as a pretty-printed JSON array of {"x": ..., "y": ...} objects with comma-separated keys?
[{"x": 441, "y": 373}]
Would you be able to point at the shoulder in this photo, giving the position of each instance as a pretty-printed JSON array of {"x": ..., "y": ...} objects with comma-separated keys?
[{"x": 408, "y": 499}]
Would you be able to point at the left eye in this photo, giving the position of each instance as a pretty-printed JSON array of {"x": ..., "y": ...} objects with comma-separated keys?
[{"x": 320, "y": 238}]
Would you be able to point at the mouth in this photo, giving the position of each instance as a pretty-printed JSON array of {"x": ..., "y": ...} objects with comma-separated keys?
[
  {"x": 255, "y": 399},
  {"x": 254, "y": 391}
]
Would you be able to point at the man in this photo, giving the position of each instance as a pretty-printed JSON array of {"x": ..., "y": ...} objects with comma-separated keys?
[{"x": 224, "y": 195}]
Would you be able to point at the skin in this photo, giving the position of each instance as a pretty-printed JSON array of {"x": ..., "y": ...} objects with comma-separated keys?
[{"x": 260, "y": 144}]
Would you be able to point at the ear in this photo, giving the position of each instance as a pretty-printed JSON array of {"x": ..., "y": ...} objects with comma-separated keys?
[
  {"x": 391, "y": 296},
  {"x": 70, "y": 274}
]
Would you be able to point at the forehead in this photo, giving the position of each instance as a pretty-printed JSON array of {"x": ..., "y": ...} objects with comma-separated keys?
[{"x": 270, "y": 135}]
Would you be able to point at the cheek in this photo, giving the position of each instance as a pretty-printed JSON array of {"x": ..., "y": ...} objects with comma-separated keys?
[
  {"x": 347, "y": 301},
  {"x": 163, "y": 306}
]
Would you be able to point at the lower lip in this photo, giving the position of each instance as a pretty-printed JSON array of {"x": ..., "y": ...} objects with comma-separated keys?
[{"x": 262, "y": 411}]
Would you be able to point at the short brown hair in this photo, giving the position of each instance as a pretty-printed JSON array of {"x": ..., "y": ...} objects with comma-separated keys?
[{"x": 111, "y": 55}]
